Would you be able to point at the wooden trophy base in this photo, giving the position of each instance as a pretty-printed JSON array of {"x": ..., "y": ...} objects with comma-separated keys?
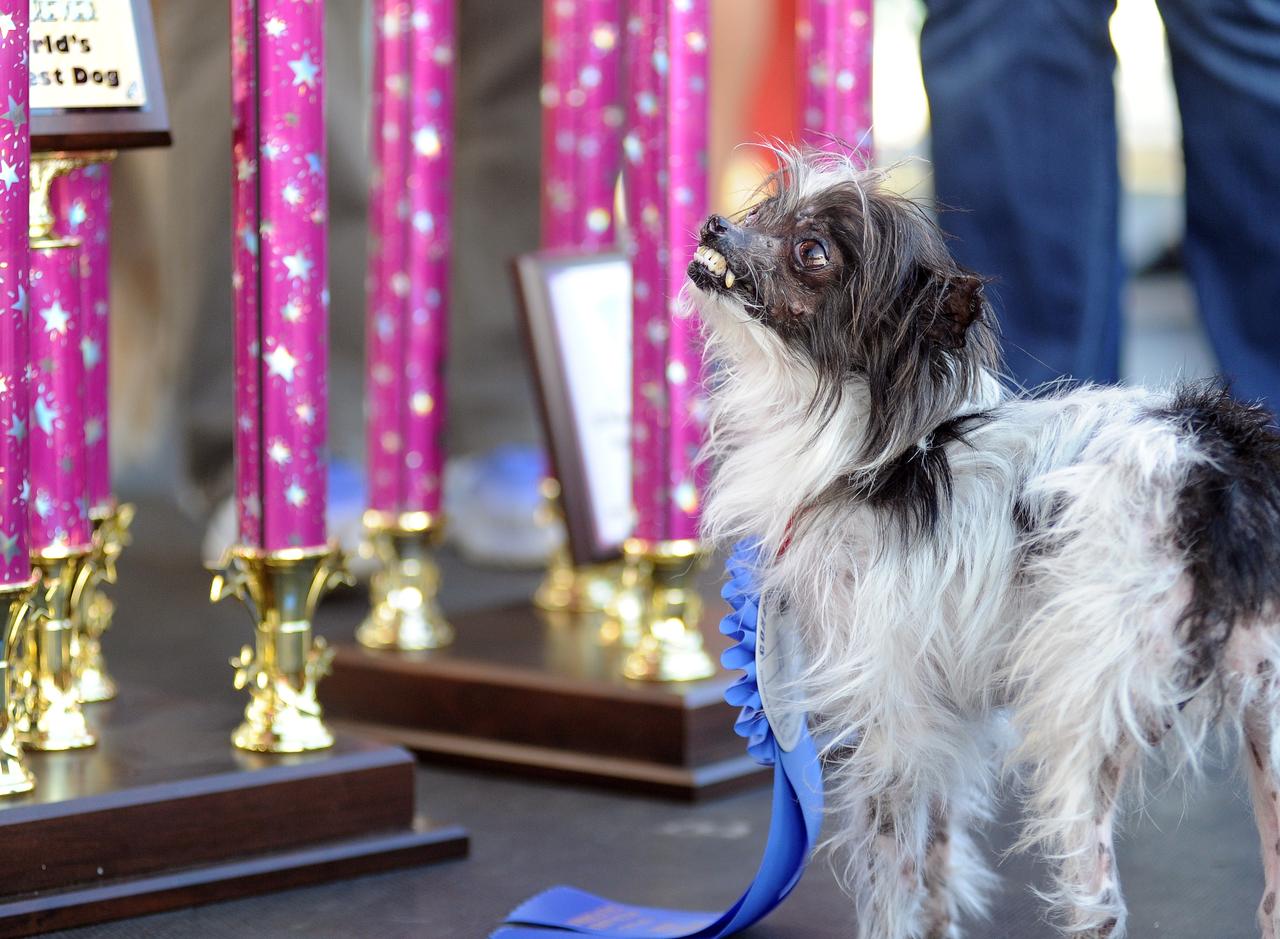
[
  {"x": 540, "y": 694},
  {"x": 164, "y": 813}
]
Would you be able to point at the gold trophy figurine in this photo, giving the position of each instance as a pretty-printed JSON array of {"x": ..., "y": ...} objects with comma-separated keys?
[
  {"x": 281, "y": 590},
  {"x": 110, "y": 537},
  {"x": 15, "y": 778}
]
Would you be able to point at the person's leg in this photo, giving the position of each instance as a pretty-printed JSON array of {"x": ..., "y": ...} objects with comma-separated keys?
[
  {"x": 1226, "y": 65},
  {"x": 1024, "y": 151}
]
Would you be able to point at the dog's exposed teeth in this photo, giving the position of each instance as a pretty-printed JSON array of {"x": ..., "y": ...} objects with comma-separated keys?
[
  {"x": 728, "y": 280},
  {"x": 712, "y": 260}
]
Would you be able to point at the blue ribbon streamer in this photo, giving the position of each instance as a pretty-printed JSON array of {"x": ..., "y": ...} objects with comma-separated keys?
[{"x": 793, "y": 828}]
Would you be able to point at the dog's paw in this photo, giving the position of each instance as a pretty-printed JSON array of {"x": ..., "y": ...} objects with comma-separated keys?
[
  {"x": 1109, "y": 927},
  {"x": 1269, "y": 916}
]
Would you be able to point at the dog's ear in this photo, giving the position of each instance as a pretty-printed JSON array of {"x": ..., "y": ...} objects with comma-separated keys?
[{"x": 959, "y": 308}]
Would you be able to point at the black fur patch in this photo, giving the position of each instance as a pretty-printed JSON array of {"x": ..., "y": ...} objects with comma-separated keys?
[
  {"x": 916, "y": 487},
  {"x": 1228, "y": 518}
]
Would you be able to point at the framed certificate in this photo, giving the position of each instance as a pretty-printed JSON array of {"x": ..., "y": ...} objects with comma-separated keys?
[
  {"x": 95, "y": 76},
  {"x": 577, "y": 318}
]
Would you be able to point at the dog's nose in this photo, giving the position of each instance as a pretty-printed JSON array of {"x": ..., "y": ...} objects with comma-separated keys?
[{"x": 721, "y": 234}]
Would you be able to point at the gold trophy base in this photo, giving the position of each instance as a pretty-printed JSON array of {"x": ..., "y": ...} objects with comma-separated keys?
[
  {"x": 405, "y": 614},
  {"x": 273, "y": 724},
  {"x": 15, "y": 778},
  {"x": 661, "y": 605},
  {"x": 280, "y": 672},
  {"x": 180, "y": 819},
  {"x": 94, "y": 684},
  {"x": 52, "y": 718}
]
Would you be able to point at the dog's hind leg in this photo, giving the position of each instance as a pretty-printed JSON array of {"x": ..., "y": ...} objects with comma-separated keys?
[
  {"x": 1264, "y": 787},
  {"x": 1252, "y": 657}
]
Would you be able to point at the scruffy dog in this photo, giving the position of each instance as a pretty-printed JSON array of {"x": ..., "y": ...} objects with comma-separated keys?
[{"x": 1062, "y": 583}]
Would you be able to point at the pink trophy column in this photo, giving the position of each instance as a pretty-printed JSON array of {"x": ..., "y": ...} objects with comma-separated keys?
[
  {"x": 15, "y": 201},
  {"x": 387, "y": 285},
  {"x": 666, "y": 201},
  {"x": 582, "y": 119},
  {"x": 59, "y": 509},
  {"x": 81, "y": 202},
  {"x": 833, "y": 59},
  {"x": 283, "y": 562},
  {"x": 599, "y": 122},
  {"x": 410, "y": 218},
  {"x": 430, "y": 226},
  {"x": 560, "y": 198},
  {"x": 280, "y": 272},
  {"x": 582, "y": 124}
]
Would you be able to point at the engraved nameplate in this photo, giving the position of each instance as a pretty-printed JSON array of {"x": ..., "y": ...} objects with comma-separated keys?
[{"x": 85, "y": 56}]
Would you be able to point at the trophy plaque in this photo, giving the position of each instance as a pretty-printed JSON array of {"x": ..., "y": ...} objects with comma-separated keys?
[
  {"x": 577, "y": 326},
  {"x": 539, "y": 692},
  {"x": 95, "y": 76}
]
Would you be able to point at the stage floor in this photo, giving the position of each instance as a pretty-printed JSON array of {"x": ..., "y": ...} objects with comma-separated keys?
[{"x": 1190, "y": 864}]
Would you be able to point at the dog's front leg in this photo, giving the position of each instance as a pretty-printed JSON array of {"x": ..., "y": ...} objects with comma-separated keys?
[
  {"x": 938, "y": 910},
  {"x": 902, "y": 875}
]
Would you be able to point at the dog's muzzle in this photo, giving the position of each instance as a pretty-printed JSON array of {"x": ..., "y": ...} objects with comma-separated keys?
[{"x": 710, "y": 269}]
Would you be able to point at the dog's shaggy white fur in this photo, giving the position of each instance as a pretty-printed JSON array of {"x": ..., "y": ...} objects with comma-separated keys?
[{"x": 985, "y": 580}]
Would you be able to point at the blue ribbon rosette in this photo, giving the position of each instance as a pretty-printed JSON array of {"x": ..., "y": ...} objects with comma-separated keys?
[{"x": 793, "y": 828}]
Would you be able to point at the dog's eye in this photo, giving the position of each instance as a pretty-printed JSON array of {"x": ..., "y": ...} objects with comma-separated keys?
[{"x": 811, "y": 255}]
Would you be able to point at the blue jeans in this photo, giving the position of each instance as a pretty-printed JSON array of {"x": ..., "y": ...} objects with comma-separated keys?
[{"x": 1024, "y": 142}]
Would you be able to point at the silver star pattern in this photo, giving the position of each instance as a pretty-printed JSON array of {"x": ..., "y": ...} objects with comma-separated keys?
[
  {"x": 280, "y": 362},
  {"x": 55, "y": 317},
  {"x": 9, "y": 547},
  {"x": 305, "y": 71},
  {"x": 299, "y": 266},
  {"x": 45, "y": 415},
  {"x": 16, "y": 114}
]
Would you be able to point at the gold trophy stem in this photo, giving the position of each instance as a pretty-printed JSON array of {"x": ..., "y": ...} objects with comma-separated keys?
[
  {"x": 15, "y": 778},
  {"x": 405, "y": 613},
  {"x": 568, "y": 588},
  {"x": 280, "y": 671},
  {"x": 661, "y": 604},
  {"x": 110, "y": 536},
  {"x": 52, "y": 718}
]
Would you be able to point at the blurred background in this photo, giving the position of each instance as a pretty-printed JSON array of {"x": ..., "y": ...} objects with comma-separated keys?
[{"x": 172, "y": 301}]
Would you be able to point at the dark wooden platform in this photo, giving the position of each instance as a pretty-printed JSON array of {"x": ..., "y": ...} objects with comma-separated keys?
[
  {"x": 539, "y": 694},
  {"x": 164, "y": 813}
]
